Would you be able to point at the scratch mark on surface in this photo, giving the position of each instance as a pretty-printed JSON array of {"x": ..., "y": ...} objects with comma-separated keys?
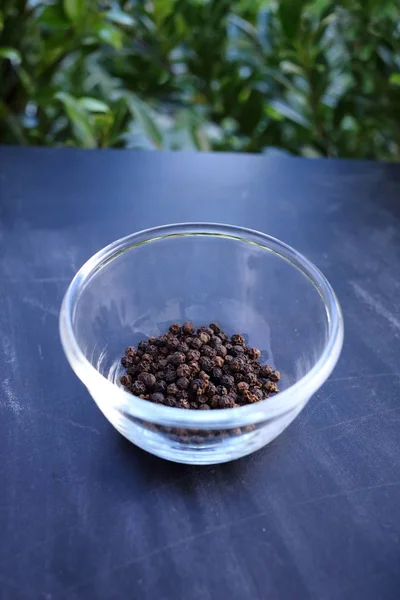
[
  {"x": 317, "y": 407},
  {"x": 345, "y": 492},
  {"x": 361, "y": 377},
  {"x": 83, "y": 426},
  {"x": 357, "y": 419},
  {"x": 11, "y": 399},
  {"x": 36, "y": 304},
  {"x": 41, "y": 280},
  {"x": 196, "y": 536},
  {"x": 375, "y": 304},
  {"x": 9, "y": 351},
  {"x": 40, "y": 351}
]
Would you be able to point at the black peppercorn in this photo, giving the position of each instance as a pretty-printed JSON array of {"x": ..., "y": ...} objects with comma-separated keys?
[
  {"x": 254, "y": 353},
  {"x": 250, "y": 397},
  {"x": 226, "y": 402},
  {"x": 183, "y": 371},
  {"x": 227, "y": 381},
  {"x": 144, "y": 367},
  {"x": 183, "y": 347},
  {"x": 270, "y": 387},
  {"x": 130, "y": 351},
  {"x": 138, "y": 388},
  {"x": 194, "y": 368},
  {"x": 204, "y": 376},
  {"x": 148, "y": 379},
  {"x": 175, "y": 329},
  {"x": 161, "y": 364},
  {"x": 204, "y": 337},
  {"x": 161, "y": 341},
  {"x": 161, "y": 386},
  {"x": 257, "y": 392},
  {"x": 199, "y": 386},
  {"x": 207, "y": 351},
  {"x": 237, "y": 365},
  {"x": 193, "y": 355},
  {"x": 218, "y": 361},
  {"x": 236, "y": 350},
  {"x": 176, "y": 359},
  {"x": 170, "y": 376},
  {"x": 204, "y": 329},
  {"x": 213, "y": 401},
  {"x": 170, "y": 401},
  {"x": 188, "y": 328},
  {"x": 126, "y": 361},
  {"x": 275, "y": 376},
  {"x": 266, "y": 371},
  {"x": 183, "y": 383},
  {"x": 237, "y": 338},
  {"x": 172, "y": 389},
  {"x": 205, "y": 363},
  {"x": 242, "y": 387},
  {"x": 250, "y": 378},
  {"x": 200, "y": 370},
  {"x": 126, "y": 380},
  {"x": 158, "y": 398},
  {"x": 212, "y": 389},
  {"x": 194, "y": 343},
  {"x": 172, "y": 342},
  {"x": 217, "y": 373},
  {"x": 238, "y": 377}
]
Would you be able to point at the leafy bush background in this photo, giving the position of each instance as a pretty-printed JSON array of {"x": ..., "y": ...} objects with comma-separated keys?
[{"x": 316, "y": 78}]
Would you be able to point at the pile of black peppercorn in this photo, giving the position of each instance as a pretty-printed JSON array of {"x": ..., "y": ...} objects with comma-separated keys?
[{"x": 197, "y": 370}]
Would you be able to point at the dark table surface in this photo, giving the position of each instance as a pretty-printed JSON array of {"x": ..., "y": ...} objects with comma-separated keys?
[{"x": 85, "y": 514}]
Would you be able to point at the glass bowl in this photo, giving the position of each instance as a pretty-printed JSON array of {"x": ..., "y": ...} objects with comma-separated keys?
[{"x": 246, "y": 281}]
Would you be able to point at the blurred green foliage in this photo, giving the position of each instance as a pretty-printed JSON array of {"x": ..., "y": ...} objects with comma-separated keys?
[{"x": 315, "y": 78}]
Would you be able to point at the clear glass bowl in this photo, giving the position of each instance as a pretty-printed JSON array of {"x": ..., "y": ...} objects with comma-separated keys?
[{"x": 246, "y": 281}]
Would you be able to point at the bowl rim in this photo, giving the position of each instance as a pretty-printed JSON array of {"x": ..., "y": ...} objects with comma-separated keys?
[{"x": 130, "y": 406}]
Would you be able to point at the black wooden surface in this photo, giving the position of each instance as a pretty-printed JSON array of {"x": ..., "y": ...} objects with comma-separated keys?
[{"x": 83, "y": 513}]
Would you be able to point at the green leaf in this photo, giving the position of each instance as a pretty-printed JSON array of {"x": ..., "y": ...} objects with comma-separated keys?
[
  {"x": 12, "y": 55},
  {"x": 75, "y": 9},
  {"x": 54, "y": 17},
  {"x": 289, "y": 12},
  {"x": 119, "y": 17},
  {"x": 162, "y": 9},
  {"x": 79, "y": 119},
  {"x": 395, "y": 78},
  {"x": 289, "y": 67},
  {"x": 93, "y": 105},
  {"x": 290, "y": 113},
  {"x": 142, "y": 113},
  {"x": 109, "y": 34}
]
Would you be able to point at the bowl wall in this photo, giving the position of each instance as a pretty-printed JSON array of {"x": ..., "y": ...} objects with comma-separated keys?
[{"x": 201, "y": 275}]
